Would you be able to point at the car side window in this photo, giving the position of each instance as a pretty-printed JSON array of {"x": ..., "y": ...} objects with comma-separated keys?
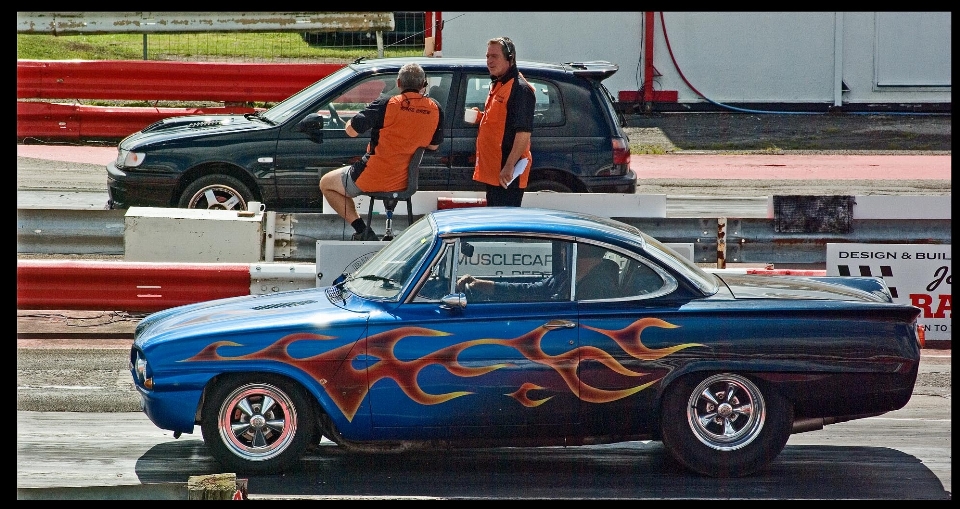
[
  {"x": 343, "y": 107},
  {"x": 638, "y": 279},
  {"x": 549, "y": 105},
  {"x": 549, "y": 108},
  {"x": 438, "y": 89},
  {"x": 598, "y": 273},
  {"x": 439, "y": 280},
  {"x": 522, "y": 269}
]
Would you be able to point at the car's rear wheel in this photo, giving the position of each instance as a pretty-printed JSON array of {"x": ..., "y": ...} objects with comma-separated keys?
[
  {"x": 551, "y": 186},
  {"x": 724, "y": 425},
  {"x": 258, "y": 424},
  {"x": 218, "y": 192}
]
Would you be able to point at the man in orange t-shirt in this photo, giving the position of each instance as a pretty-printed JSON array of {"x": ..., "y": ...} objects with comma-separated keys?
[
  {"x": 401, "y": 124},
  {"x": 503, "y": 139}
]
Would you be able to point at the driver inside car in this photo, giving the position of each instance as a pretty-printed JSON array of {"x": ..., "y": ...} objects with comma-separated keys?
[{"x": 596, "y": 277}]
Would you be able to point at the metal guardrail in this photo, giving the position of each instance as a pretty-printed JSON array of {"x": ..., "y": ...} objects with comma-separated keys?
[
  {"x": 237, "y": 85},
  {"x": 56, "y": 231},
  {"x": 67, "y": 231},
  {"x": 145, "y": 80}
]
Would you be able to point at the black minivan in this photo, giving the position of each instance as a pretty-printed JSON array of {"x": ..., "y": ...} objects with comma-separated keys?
[{"x": 277, "y": 156}]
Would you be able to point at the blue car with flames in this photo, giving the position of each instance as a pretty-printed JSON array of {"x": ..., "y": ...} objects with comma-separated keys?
[{"x": 493, "y": 327}]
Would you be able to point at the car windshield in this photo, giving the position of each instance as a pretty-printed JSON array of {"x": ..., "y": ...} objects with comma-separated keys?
[
  {"x": 387, "y": 273},
  {"x": 297, "y": 102}
]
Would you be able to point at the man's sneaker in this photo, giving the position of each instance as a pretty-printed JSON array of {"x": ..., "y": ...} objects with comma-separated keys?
[{"x": 367, "y": 234}]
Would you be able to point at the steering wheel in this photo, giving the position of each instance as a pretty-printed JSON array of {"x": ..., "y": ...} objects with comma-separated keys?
[
  {"x": 471, "y": 294},
  {"x": 335, "y": 120}
]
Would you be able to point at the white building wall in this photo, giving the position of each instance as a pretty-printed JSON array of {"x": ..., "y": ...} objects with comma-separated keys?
[{"x": 736, "y": 57}]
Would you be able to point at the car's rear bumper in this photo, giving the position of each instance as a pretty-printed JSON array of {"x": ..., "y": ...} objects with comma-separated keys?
[{"x": 625, "y": 184}]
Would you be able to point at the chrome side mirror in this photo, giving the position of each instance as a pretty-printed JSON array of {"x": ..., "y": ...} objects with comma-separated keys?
[{"x": 454, "y": 301}]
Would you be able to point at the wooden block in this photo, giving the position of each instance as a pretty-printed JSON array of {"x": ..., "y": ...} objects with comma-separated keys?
[{"x": 211, "y": 487}]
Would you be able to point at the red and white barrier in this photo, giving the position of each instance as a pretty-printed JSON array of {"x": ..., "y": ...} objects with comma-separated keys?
[{"x": 148, "y": 287}]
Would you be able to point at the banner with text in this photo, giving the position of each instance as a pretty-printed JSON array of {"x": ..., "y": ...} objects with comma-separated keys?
[{"x": 917, "y": 274}]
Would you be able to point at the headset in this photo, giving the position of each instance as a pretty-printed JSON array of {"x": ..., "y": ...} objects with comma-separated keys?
[{"x": 508, "y": 48}]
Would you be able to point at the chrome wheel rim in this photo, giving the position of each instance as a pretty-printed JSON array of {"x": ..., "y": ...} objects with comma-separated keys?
[
  {"x": 218, "y": 197},
  {"x": 726, "y": 412},
  {"x": 257, "y": 422}
]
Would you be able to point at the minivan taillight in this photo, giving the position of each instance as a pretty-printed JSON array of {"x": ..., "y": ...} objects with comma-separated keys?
[{"x": 621, "y": 151}]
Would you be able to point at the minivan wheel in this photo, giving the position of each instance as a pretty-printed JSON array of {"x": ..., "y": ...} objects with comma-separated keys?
[
  {"x": 547, "y": 186},
  {"x": 217, "y": 192}
]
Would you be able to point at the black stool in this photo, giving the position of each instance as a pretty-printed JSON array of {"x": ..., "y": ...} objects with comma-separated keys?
[{"x": 391, "y": 198}]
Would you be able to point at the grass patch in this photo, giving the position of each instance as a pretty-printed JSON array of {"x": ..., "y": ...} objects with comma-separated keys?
[
  {"x": 254, "y": 46},
  {"x": 647, "y": 149}
]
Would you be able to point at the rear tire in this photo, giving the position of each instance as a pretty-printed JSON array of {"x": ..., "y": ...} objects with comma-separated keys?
[
  {"x": 217, "y": 192},
  {"x": 724, "y": 425},
  {"x": 550, "y": 186},
  {"x": 258, "y": 423}
]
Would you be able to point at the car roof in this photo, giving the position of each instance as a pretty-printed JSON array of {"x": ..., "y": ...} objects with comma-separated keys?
[
  {"x": 597, "y": 69},
  {"x": 506, "y": 220}
]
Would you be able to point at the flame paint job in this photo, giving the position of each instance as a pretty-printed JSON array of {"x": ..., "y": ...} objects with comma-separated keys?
[{"x": 405, "y": 373}]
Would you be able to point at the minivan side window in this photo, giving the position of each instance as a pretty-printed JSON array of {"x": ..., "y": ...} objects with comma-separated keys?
[
  {"x": 343, "y": 107},
  {"x": 549, "y": 106}
]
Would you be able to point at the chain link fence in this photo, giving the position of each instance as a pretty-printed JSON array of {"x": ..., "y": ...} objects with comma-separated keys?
[{"x": 407, "y": 39}]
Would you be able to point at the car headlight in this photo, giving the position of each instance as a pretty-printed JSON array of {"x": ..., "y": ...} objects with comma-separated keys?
[
  {"x": 140, "y": 371},
  {"x": 129, "y": 159}
]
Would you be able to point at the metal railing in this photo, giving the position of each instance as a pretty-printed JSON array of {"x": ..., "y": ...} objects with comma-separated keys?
[{"x": 748, "y": 240}]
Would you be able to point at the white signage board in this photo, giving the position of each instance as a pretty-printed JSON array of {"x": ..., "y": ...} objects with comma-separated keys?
[
  {"x": 336, "y": 257},
  {"x": 917, "y": 274},
  {"x": 500, "y": 259}
]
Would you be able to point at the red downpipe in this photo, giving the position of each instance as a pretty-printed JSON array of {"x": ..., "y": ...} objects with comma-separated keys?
[
  {"x": 438, "y": 40},
  {"x": 648, "y": 60},
  {"x": 433, "y": 24}
]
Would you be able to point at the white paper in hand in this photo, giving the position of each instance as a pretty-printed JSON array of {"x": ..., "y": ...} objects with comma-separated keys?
[{"x": 518, "y": 169}]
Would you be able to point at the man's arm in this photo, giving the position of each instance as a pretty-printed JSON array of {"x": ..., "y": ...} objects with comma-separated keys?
[
  {"x": 351, "y": 132},
  {"x": 520, "y": 143},
  {"x": 438, "y": 133}
]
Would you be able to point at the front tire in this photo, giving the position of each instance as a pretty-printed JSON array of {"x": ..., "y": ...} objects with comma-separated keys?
[
  {"x": 217, "y": 192},
  {"x": 724, "y": 425},
  {"x": 258, "y": 424}
]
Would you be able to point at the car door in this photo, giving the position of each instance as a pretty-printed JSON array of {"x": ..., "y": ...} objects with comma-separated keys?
[
  {"x": 636, "y": 334},
  {"x": 501, "y": 366},
  {"x": 302, "y": 159}
]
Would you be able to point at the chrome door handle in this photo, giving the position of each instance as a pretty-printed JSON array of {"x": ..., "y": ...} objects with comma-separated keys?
[{"x": 559, "y": 324}]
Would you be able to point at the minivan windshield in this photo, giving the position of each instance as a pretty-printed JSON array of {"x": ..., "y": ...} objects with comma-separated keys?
[{"x": 297, "y": 102}]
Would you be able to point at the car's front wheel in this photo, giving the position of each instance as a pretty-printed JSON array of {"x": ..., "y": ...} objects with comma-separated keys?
[
  {"x": 724, "y": 425},
  {"x": 218, "y": 192},
  {"x": 258, "y": 424}
]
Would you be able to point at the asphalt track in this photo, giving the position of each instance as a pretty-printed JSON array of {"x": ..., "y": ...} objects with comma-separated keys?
[{"x": 694, "y": 165}]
